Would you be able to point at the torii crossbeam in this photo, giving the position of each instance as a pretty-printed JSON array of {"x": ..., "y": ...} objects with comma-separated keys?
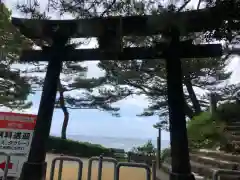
[{"x": 56, "y": 34}]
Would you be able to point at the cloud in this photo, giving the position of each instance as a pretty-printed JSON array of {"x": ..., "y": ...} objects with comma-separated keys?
[
  {"x": 93, "y": 69},
  {"x": 234, "y": 67},
  {"x": 136, "y": 101}
]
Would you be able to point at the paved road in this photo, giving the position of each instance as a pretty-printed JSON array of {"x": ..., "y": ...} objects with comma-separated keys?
[{"x": 50, "y": 157}]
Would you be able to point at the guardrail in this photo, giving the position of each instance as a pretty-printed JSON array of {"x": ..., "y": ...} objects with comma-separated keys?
[
  {"x": 8, "y": 159},
  {"x": 101, "y": 159},
  {"x": 154, "y": 167},
  {"x": 65, "y": 158},
  {"x": 136, "y": 165},
  {"x": 220, "y": 172}
]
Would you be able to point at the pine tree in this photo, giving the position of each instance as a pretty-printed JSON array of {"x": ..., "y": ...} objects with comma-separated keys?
[
  {"x": 14, "y": 88},
  {"x": 72, "y": 79},
  {"x": 148, "y": 77},
  {"x": 75, "y": 90}
]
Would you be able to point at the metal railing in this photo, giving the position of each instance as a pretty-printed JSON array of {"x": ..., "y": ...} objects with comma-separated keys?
[
  {"x": 154, "y": 168},
  {"x": 136, "y": 165},
  {"x": 220, "y": 172},
  {"x": 8, "y": 159},
  {"x": 101, "y": 159},
  {"x": 65, "y": 158}
]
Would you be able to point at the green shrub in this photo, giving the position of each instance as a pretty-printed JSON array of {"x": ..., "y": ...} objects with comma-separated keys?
[
  {"x": 165, "y": 154},
  {"x": 147, "y": 148},
  {"x": 205, "y": 131},
  {"x": 75, "y": 148},
  {"x": 118, "y": 154}
]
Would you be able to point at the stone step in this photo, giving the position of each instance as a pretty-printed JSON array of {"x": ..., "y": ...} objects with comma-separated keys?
[
  {"x": 232, "y": 128},
  {"x": 206, "y": 171},
  {"x": 199, "y": 169},
  {"x": 235, "y": 133},
  {"x": 234, "y": 142},
  {"x": 234, "y": 137},
  {"x": 202, "y": 169},
  {"x": 219, "y": 155},
  {"x": 235, "y": 145},
  {"x": 214, "y": 162},
  {"x": 234, "y": 120},
  {"x": 234, "y": 123},
  {"x": 167, "y": 168}
]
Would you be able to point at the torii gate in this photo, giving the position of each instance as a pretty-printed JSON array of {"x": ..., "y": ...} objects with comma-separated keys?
[{"x": 110, "y": 31}]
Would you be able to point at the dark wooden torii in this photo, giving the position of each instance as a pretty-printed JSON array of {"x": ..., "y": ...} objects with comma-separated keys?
[{"x": 110, "y": 31}]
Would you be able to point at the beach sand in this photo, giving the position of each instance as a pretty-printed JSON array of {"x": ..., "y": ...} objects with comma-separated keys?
[{"x": 70, "y": 171}]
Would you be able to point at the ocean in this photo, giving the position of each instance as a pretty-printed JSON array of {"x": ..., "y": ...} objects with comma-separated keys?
[{"x": 117, "y": 142}]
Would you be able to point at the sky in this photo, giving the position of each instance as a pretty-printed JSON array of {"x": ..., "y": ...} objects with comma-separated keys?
[{"x": 97, "y": 123}]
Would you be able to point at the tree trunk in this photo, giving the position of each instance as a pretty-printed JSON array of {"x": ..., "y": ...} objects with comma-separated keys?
[
  {"x": 65, "y": 111},
  {"x": 192, "y": 95},
  {"x": 213, "y": 102},
  {"x": 159, "y": 149},
  {"x": 188, "y": 111}
]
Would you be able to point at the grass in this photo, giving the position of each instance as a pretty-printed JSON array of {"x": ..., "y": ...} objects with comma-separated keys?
[{"x": 70, "y": 173}]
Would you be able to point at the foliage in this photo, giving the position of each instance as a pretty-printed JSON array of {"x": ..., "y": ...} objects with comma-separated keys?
[
  {"x": 163, "y": 125},
  {"x": 14, "y": 88},
  {"x": 76, "y": 91},
  {"x": 147, "y": 148},
  {"x": 208, "y": 130},
  {"x": 118, "y": 154},
  {"x": 144, "y": 77},
  {"x": 75, "y": 148},
  {"x": 205, "y": 131},
  {"x": 229, "y": 93},
  {"x": 11, "y": 40},
  {"x": 148, "y": 77},
  {"x": 165, "y": 154},
  {"x": 228, "y": 111}
]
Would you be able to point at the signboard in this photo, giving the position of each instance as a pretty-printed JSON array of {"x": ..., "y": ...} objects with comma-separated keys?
[{"x": 16, "y": 131}]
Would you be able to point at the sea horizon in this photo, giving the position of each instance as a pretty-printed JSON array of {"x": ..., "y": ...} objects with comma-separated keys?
[{"x": 118, "y": 142}]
